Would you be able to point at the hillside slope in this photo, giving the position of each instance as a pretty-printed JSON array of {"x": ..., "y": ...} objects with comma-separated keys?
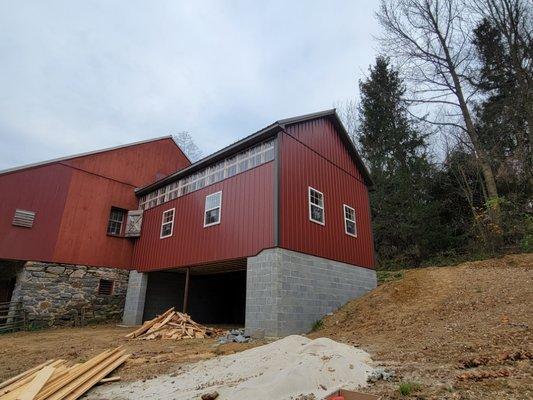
[{"x": 427, "y": 323}]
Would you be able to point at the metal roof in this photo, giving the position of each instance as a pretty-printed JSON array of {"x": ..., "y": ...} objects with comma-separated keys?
[
  {"x": 256, "y": 137},
  {"x": 89, "y": 153}
]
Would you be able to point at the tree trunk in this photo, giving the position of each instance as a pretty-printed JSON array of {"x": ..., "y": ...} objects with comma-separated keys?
[{"x": 490, "y": 182}]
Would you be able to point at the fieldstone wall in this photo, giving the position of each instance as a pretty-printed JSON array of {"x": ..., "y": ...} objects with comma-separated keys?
[{"x": 58, "y": 294}]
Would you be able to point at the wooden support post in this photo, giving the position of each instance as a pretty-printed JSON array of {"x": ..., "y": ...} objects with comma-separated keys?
[{"x": 186, "y": 291}]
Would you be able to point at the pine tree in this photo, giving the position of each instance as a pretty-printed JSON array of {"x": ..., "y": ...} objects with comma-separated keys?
[{"x": 405, "y": 219}]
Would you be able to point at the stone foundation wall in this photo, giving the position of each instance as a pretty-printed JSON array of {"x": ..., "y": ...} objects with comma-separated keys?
[{"x": 57, "y": 294}]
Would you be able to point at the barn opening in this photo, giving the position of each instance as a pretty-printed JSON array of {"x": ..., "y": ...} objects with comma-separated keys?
[{"x": 216, "y": 292}]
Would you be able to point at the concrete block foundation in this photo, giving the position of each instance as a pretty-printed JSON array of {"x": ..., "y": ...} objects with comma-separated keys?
[
  {"x": 287, "y": 291},
  {"x": 135, "y": 298}
]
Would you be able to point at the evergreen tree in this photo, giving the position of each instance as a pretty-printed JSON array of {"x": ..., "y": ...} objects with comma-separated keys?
[{"x": 405, "y": 217}]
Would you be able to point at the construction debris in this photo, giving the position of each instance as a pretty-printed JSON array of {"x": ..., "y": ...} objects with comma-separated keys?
[
  {"x": 54, "y": 380},
  {"x": 173, "y": 325},
  {"x": 234, "y": 336}
]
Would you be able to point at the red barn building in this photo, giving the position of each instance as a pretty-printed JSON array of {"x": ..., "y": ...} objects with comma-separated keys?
[{"x": 272, "y": 232}]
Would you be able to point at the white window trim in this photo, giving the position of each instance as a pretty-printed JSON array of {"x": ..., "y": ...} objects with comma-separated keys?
[
  {"x": 164, "y": 223},
  {"x": 206, "y": 210},
  {"x": 345, "y": 206},
  {"x": 309, "y": 206}
]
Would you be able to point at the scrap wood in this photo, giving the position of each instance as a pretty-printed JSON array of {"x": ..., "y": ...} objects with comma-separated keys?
[
  {"x": 148, "y": 324},
  {"x": 54, "y": 380},
  {"x": 110, "y": 379},
  {"x": 173, "y": 325}
]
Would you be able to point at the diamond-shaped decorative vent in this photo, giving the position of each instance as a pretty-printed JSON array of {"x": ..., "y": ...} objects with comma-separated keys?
[{"x": 23, "y": 218}]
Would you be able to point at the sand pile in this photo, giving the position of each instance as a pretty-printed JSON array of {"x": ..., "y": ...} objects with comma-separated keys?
[{"x": 280, "y": 370}]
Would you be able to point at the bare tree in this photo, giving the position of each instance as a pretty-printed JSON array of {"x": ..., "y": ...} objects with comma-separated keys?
[
  {"x": 187, "y": 145},
  {"x": 431, "y": 40},
  {"x": 348, "y": 114}
]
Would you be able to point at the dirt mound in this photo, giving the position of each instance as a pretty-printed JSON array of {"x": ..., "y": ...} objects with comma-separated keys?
[{"x": 428, "y": 322}]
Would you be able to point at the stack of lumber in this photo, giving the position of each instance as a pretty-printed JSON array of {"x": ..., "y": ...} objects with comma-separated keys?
[
  {"x": 54, "y": 380},
  {"x": 173, "y": 325}
]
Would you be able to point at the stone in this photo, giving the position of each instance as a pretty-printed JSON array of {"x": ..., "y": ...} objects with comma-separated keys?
[
  {"x": 56, "y": 269},
  {"x": 77, "y": 274}
]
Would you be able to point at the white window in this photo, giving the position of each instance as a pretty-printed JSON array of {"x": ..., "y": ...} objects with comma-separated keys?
[
  {"x": 350, "y": 226},
  {"x": 213, "y": 204},
  {"x": 167, "y": 223},
  {"x": 116, "y": 220},
  {"x": 316, "y": 206}
]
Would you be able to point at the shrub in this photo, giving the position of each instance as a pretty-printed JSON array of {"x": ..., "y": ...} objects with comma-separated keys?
[
  {"x": 318, "y": 324},
  {"x": 406, "y": 388}
]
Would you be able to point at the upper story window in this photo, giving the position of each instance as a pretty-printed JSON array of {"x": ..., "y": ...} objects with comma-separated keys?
[
  {"x": 243, "y": 161},
  {"x": 167, "y": 223},
  {"x": 316, "y": 206},
  {"x": 116, "y": 221},
  {"x": 213, "y": 205},
  {"x": 350, "y": 226}
]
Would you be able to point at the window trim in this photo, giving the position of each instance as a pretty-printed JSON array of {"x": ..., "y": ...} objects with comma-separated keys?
[
  {"x": 345, "y": 206},
  {"x": 323, "y": 223},
  {"x": 166, "y": 223},
  {"x": 122, "y": 223},
  {"x": 213, "y": 208}
]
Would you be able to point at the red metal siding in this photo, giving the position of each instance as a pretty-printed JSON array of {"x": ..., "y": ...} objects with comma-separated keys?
[
  {"x": 82, "y": 237},
  {"x": 246, "y": 224},
  {"x": 42, "y": 190},
  {"x": 138, "y": 165},
  {"x": 320, "y": 136},
  {"x": 73, "y": 199},
  {"x": 302, "y": 167}
]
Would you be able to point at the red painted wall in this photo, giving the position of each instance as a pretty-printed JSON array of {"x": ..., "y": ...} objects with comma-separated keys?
[
  {"x": 137, "y": 165},
  {"x": 82, "y": 237},
  {"x": 245, "y": 229},
  {"x": 43, "y": 190},
  {"x": 73, "y": 199},
  {"x": 302, "y": 165}
]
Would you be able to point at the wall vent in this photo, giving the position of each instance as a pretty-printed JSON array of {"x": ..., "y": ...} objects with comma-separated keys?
[
  {"x": 23, "y": 218},
  {"x": 105, "y": 287}
]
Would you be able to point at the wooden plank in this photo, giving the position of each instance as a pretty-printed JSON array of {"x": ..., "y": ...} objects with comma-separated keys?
[
  {"x": 81, "y": 390},
  {"x": 74, "y": 373},
  {"x": 148, "y": 324},
  {"x": 37, "y": 383},
  {"x": 25, "y": 373},
  {"x": 82, "y": 378},
  {"x": 25, "y": 380},
  {"x": 79, "y": 386}
]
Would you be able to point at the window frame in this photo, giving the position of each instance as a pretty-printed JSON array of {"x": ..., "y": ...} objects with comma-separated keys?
[
  {"x": 122, "y": 223},
  {"x": 206, "y": 210},
  {"x": 344, "y": 207},
  {"x": 163, "y": 223},
  {"x": 310, "y": 204}
]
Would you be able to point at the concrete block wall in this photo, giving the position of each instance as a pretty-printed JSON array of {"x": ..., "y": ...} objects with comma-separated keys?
[
  {"x": 135, "y": 296},
  {"x": 288, "y": 291}
]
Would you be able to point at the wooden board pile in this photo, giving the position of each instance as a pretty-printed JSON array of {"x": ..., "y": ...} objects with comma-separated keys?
[
  {"x": 173, "y": 325},
  {"x": 54, "y": 380}
]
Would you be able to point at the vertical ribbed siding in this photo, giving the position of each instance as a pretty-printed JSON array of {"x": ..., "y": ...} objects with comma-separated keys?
[
  {"x": 246, "y": 225},
  {"x": 313, "y": 155}
]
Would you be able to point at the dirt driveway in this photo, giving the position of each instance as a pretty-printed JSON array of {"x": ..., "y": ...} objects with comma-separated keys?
[{"x": 23, "y": 350}]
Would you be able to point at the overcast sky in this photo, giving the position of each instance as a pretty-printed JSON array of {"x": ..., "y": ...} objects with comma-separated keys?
[{"x": 77, "y": 76}]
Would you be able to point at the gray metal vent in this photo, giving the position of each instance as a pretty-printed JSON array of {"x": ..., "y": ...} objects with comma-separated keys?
[{"x": 23, "y": 218}]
